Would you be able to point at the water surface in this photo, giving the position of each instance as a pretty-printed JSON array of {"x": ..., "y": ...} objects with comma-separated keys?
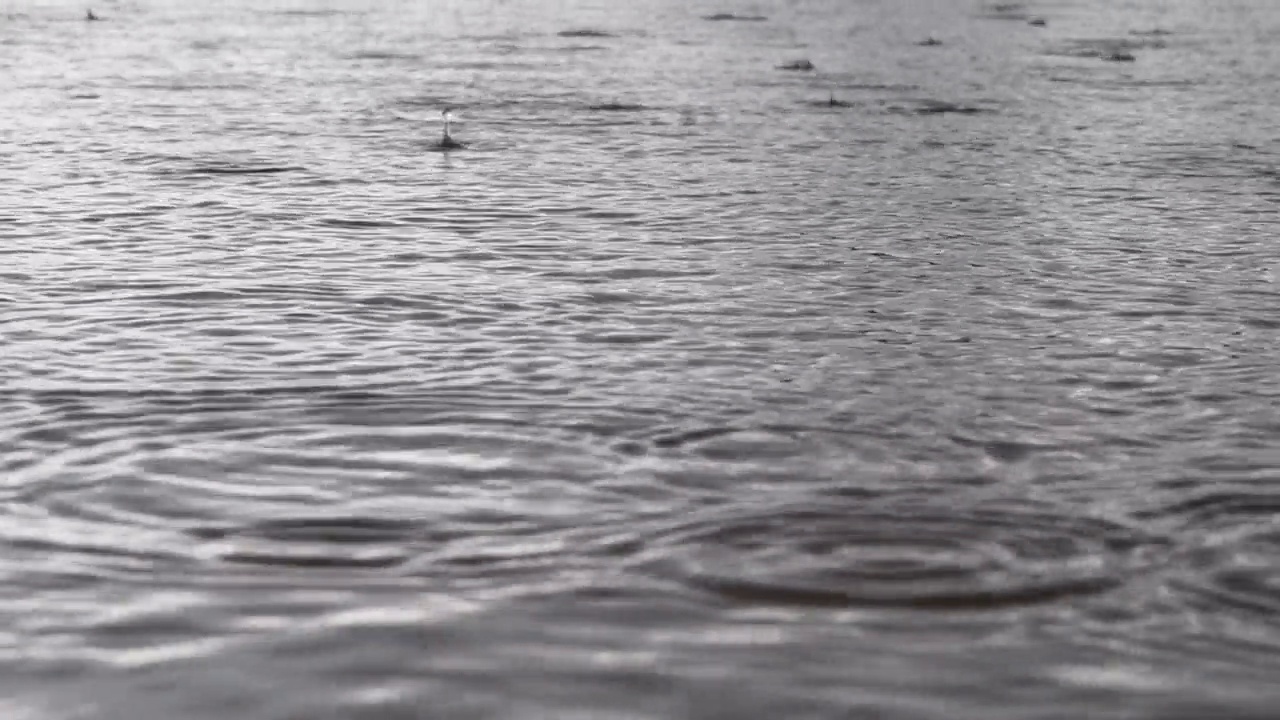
[{"x": 935, "y": 381}]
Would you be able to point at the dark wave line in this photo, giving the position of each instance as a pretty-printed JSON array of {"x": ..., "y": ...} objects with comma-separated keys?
[{"x": 236, "y": 170}]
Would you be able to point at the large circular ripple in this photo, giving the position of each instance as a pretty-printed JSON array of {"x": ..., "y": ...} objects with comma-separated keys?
[{"x": 923, "y": 554}]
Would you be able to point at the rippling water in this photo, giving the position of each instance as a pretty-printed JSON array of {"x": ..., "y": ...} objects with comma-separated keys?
[{"x": 936, "y": 381}]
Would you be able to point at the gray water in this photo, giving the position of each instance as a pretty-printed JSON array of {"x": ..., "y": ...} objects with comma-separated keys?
[{"x": 684, "y": 392}]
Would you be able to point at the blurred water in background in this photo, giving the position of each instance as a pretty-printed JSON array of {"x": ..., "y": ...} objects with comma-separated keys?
[{"x": 938, "y": 381}]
